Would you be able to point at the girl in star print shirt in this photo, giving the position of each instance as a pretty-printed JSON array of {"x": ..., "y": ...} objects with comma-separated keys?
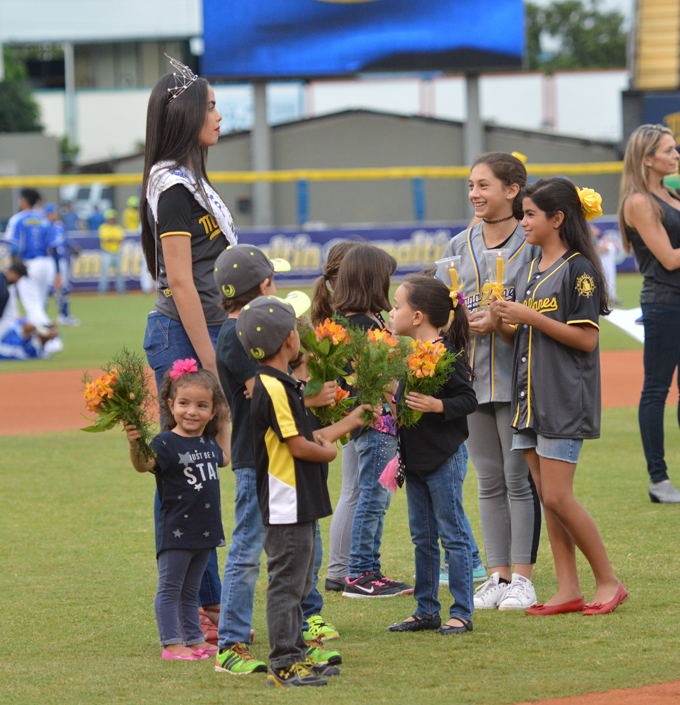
[
  {"x": 554, "y": 327},
  {"x": 193, "y": 444}
]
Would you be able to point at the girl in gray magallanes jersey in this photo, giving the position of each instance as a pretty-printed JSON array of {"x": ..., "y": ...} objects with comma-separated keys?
[{"x": 509, "y": 508}]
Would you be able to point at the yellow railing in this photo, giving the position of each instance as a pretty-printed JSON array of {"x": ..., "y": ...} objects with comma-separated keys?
[{"x": 291, "y": 175}]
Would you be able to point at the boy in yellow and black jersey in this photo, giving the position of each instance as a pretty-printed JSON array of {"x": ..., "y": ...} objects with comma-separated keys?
[{"x": 291, "y": 464}]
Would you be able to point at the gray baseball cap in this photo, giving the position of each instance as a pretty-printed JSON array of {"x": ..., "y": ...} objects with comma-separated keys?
[
  {"x": 241, "y": 267},
  {"x": 264, "y": 324}
]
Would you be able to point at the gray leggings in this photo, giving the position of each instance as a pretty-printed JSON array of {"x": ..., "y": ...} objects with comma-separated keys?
[
  {"x": 176, "y": 604},
  {"x": 341, "y": 525},
  {"x": 509, "y": 508}
]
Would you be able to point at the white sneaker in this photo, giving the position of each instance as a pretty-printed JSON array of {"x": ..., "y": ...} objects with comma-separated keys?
[
  {"x": 489, "y": 594},
  {"x": 520, "y": 594}
]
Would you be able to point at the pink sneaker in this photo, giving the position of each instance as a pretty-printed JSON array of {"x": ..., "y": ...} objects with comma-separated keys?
[{"x": 206, "y": 653}]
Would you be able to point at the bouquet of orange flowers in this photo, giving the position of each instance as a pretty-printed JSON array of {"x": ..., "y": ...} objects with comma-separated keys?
[
  {"x": 428, "y": 368},
  {"x": 378, "y": 362},
  {"x": 328, "y": 350},
  {"x": 122, "y": 395}
]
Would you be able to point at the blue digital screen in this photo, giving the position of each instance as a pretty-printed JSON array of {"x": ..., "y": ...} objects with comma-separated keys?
[{"x": 249, "y": 39}]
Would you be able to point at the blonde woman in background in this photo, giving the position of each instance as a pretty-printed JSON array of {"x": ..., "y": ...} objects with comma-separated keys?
[{"x": 649, "y": 216}]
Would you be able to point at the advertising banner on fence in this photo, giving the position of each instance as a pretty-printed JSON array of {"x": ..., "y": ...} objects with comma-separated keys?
[{"x": 414, "y": 248}]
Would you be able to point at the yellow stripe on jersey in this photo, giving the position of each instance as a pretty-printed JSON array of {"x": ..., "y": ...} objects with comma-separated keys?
[
  {"x": 531, "y": 330},
  {"x": 514, "y": 421},
  {"x": 474, "y": 263},
  {"x": 493, "y": 368},
  {"x": 284, "y": 416},
  {"x": 517, "y": 251},
  {"x": 281, "y": 462},
  {"x": 176, "y": 232},
  {"x": 585, "y": 320}
]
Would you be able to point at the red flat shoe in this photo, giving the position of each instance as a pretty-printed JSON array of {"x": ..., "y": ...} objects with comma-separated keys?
[
  {"x": 564, "y": 608},
  {"x": 593, "y": 608}
]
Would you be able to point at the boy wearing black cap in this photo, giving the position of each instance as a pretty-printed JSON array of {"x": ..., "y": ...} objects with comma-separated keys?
[
  {"x": 291, "y": 471},
  {"x": 242, "y": 274}
]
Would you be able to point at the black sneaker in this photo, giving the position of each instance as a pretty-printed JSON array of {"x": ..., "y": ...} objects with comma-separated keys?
[
  {"x": 297, "y": 675},
  {"x": 368, "y": 586},
  {"x": 335, "y": 584},
  {"x": 403, "y": 588}
]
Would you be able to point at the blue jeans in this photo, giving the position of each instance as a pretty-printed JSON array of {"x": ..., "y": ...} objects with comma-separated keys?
[
  {"x": 435, "y": 508},
  {"x": 661, "y": 358},
  {"x": 375, "y": 450},
  {"x": 476, "y": 559},
  {"x": 243, "y": 566},
  {"x": 165, "y": 341},
  {"x": 313, "y": 603},
  {"x": 243, "y": 563}
]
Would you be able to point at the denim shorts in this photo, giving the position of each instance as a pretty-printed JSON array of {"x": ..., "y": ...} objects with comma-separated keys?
[{"x": 565, "y": 449}]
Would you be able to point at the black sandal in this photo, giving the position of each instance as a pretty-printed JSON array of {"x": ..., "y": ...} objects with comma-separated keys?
[
  {"x": 417, "y": 624},
  {"x": 462, "y": 629}
]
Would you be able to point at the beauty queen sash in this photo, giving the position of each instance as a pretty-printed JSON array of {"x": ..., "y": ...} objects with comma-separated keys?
[{"x": 164, "y": 175}]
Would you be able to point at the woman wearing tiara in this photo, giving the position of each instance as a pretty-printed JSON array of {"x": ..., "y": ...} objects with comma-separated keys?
[{"x": 185, "y": 227}]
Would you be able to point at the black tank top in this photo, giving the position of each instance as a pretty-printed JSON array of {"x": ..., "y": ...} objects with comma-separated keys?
[{"x": 660, "y": 285}]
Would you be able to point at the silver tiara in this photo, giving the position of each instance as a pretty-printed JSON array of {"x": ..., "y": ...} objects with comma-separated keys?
[{"x": 183, "y": 79}]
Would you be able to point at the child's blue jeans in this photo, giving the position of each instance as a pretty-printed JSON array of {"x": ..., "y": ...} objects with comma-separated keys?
[{"x": 435, "y": 509}]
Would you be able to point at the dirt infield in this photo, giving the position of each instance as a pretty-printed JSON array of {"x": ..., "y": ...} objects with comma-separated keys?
[
  {"x": 662, "y": 694},
  {"x": 52, "y": 401}
]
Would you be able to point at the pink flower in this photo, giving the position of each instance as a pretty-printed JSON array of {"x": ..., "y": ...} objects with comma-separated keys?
[{"x": 181, "y": 367}]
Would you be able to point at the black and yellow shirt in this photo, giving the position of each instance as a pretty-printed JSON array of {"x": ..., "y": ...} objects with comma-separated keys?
[
  {"x": 290, "y": 490},
  {"x": 180, "y": 214},
  {"x": 556, "y": 388}
]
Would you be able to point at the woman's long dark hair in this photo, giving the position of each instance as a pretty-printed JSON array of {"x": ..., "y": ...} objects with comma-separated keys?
[
  {"x": 431, "y": 297},
  {"x": 560, "y": 195},
  {"x": 172, "y": 130}
]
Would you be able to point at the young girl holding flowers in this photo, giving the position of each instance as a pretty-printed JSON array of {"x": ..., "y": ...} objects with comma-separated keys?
[
  {"x": 360, "y": 293},
  {"x": 432, "y": 452},
  {"x": 193, "y": 444},
  {"x": 553, "y": 324},
  {"x": 509, "y": 509}
]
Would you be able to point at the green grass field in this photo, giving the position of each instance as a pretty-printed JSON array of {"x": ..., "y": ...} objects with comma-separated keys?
[{"x": 77, "y": 578}]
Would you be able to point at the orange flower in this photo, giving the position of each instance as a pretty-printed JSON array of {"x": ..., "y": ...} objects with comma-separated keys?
[
  {"x": 423, "y": 360},
  {"x": 382, "y": 336},
  {"x": 340, "y": 394},
  {"x": 332, "y": 330},
  {"x": 98, "y": 391}
]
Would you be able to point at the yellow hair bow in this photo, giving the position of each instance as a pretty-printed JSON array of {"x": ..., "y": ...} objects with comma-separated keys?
[
  {"x": 518, "y": 155},
  {"x": 456, "y": 296},
  {"x": 591, "y": 202}
]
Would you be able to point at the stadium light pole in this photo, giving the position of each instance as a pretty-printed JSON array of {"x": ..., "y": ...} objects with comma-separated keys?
[
  {"x": 473, "y": 132},
  {"x": 261, "y": 158}
]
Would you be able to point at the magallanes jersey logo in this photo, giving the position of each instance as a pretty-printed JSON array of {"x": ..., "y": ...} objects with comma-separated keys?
[
  {"x": 585, "y": 285},
  {"x": 542, "y": 305}
]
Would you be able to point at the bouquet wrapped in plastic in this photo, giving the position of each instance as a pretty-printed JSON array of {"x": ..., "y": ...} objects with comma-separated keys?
[
  {"x": 122, "y": 395},
  {"x": 379, "y": 360},
  {"x": 428, "y": 369},
  {"x": 328, "y": 351}
]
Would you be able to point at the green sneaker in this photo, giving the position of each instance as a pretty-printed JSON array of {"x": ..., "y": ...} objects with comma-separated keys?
[
  {"x": 318, "y": 629},
  {"x": 238, "y": 661},
  {"x": 299, "y": 674},
  {"x": 319, "y": 656},
  {"x": 478, "y": 574}
]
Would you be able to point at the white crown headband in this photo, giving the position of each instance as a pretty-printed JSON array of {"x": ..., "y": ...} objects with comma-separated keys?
[{"x": 183, "y": 79}]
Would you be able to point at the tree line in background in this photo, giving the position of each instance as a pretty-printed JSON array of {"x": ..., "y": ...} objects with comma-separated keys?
[{"x": 564, "y": 35}]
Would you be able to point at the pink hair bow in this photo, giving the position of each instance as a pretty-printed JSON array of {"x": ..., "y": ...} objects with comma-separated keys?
[{"x": 181, "y": 367}]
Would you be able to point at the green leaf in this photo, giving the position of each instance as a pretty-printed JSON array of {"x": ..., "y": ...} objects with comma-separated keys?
[
  {"x": 325, "y": 346},
  {"x": 314, "y": 386}
]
